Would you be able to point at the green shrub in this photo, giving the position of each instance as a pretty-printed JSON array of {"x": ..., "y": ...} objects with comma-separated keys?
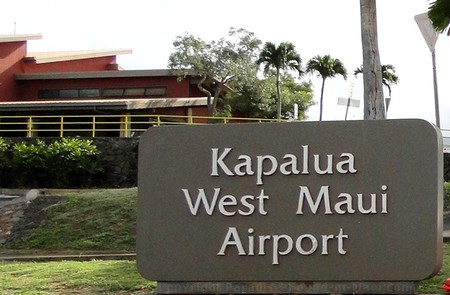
[
  {"x": 4, "y": 145},
  {"x": 68, "y": 162},
  {"x": 5, "y": 165},
  {"x": 74, "y": 161},
  {"x": 29, "y": 163}
]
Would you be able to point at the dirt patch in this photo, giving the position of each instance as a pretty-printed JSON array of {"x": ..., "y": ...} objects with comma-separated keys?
[
  {"x": 18, "y": 219},
  {"x": 9, "y": 215}
]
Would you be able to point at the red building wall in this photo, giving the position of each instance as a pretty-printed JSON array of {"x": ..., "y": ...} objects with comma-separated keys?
[
  {"x": 29, "y": 88},
  {"x": 13, "y": 61},
  {"x": 88, "y": 64},
  {"x": 11, "y": 56}
]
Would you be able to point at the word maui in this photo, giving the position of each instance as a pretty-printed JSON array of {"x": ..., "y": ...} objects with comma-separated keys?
[{"x": 265, "y": 165}]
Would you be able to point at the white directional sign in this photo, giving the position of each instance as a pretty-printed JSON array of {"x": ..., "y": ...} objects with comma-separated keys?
[{"x": 344, "y": 101}]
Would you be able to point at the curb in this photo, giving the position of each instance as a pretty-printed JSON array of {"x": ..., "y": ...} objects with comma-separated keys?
[{"x": 71, "y": 257}]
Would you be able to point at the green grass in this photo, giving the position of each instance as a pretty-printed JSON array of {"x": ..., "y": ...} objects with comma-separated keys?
[
  {"x": 434, "y": 285},
  {"x": 88, "y": 220},
  {"x": 71, "y": 277}
]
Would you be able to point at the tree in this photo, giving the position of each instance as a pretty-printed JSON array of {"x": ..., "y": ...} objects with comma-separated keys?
[
  {"x": 281, "y": 58},
  {"x": 259, "y": 99},
  {"x": 373, "y": 87},
  {"x": 293, "y": 92},
  {"x": 222, "y": 60},
  {"x": 326, "y": 67},
  {"x": 439, "y": 14},
  {"x": 389, "y": 77}
]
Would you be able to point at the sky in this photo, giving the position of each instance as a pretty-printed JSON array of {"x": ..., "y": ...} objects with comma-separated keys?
[{"x": 318, "y": 27}]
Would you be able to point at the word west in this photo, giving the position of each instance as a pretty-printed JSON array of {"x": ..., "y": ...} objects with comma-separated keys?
[{"x": 226, "y": 204}]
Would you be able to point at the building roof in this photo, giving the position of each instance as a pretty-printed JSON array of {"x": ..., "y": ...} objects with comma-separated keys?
[
  {"x": 56, "y": 56},
  {"x": 19, "y": 37},
  {"x": 98, "y": 74},
  {"x": 103, "y": 104}
]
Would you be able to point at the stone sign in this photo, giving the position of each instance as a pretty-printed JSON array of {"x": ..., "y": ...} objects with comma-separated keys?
[{"x": 352, "y": 201}]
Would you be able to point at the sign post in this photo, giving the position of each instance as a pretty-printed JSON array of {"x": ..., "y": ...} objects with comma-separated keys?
[
  {"x": 330, "y": 207},
  {"x": 348, "y": 102},
  {"x": 430, "y": 36}
]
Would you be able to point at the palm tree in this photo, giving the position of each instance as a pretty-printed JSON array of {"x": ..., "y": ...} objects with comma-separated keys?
[
  {"x": 281, "y": 58},
  {"x": 326, "y": 67},
  {"x": 388, "y": 76},
  {"x": 439, "y": 14}
]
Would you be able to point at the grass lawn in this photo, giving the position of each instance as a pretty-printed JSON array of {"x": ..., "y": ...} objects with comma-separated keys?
[
  {"x": 434, "y": 285},
  {"x": 72, "y": 277}
]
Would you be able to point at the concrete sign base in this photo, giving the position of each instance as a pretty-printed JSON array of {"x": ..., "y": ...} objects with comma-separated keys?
[{"x": 287, "y": 288}]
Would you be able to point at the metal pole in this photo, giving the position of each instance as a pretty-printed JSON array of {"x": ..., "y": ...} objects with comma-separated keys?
[
  {"x": 346, "y": 111},
  {"x": 436, "y": 96}
]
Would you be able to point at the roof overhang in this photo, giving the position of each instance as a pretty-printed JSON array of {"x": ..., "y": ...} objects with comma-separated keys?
[
  {"x": 47, "y": 57},
  {"x": 102, "y": 104},
  {"x": 19, "y": 37},
  {"x": 99, "y": 74}
]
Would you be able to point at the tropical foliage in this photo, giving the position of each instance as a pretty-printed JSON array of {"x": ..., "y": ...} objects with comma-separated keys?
[
  {"x": 67, "y": 162},
  {"x": 389, "y": 77},
  {"x": 325, "y": 67},
  {"x": 260, "y": 98},
  {"x": 235, "y": 61},
  {"x": 280, "y": 58},
  {"x": 224, "y": 60},
  {"x": 439, "y": 14}
]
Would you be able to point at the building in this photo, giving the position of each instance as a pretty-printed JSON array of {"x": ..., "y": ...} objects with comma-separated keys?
[{"x": 87, "y": 93}]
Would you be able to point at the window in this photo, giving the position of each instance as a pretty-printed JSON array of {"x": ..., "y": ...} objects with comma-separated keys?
[
  {"x": 134, "y": 92},
  {"x": 48, "y": 93},
  {"x": 68, "y": 93},
  {"x": 158, "y": 91},
  {"x": 89, "y": 93},
  {"x": 113, "y": 92},
  {"x": 155, "y": 91}
]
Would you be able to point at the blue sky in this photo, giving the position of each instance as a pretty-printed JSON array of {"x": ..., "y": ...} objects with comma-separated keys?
[{"x": 315, "y": 27}]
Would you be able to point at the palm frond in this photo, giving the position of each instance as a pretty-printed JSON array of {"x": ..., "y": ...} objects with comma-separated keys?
[{"x": 439, "y": 14}]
